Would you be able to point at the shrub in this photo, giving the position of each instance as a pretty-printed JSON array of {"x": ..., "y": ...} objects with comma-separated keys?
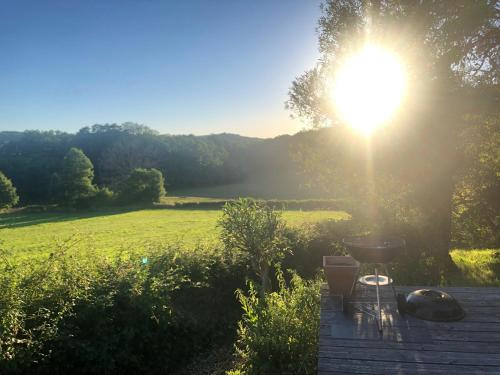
[
  {"x": 104, "y": 197},
  {"x": 8, "y": 194},
  {"x": 253, "y": 231},
  {"x": 279, "y": 334},
  {"x": 81, "y": 315},
  {"x": 143, "y": 186},
  {"x": 310, "y": 243}
]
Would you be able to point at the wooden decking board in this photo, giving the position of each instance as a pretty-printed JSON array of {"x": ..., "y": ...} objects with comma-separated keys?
[
  {"x": 351, "y": 343},
  {"x": 462, "y": 325},
  {"x": 436, "y": 345},
  {"x": 412, "y": 356},
  {"x": 385, "y": 368}
]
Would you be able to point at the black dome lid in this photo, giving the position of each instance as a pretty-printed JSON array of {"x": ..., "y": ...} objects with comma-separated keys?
[
  {"x": 433, "y": 305},
  {"x": 374, "y": 242},
  {"x": 374, "y": 249}
]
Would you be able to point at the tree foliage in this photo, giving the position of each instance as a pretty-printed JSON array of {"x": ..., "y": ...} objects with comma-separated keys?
[
  {"x": 476, "y": 199},
  {"x": 450, "y": 50},
  {"x": 143, "y": 185},
  {"x": 8, "y": 194},
  {"x": 76, "y": 179},
  {"x": 188, "y": 160},
  {"x": 254, "y": 231}
]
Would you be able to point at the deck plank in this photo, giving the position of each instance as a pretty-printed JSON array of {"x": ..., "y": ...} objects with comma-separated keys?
[{"x": 351, "y": 344}]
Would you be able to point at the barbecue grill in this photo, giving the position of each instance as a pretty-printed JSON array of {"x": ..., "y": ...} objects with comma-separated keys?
[{"x": 377, "y": 251}]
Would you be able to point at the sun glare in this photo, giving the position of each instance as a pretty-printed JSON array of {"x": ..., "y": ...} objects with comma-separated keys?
[{"x": 368, "y": 88}]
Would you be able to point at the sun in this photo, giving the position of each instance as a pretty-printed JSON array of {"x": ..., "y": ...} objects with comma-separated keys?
[{"x": 368, "y": 88}]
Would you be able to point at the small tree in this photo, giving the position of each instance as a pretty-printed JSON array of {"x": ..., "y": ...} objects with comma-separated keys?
[
  {"x": 143, "y": 185},
  {"x": 76, "y": 178},
  {"x": 254, "y": 230},
  {"x": 8, "y": 194}
]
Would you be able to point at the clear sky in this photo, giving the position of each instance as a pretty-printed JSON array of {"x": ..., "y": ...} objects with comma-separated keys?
[{"x": 177, "y": 66}]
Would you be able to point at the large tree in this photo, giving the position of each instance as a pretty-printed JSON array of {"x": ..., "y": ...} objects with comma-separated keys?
[
  {"x": 450, "y": 50},
  {"x": 76, "y": 178},
  {"x": 8, "y": 194}
]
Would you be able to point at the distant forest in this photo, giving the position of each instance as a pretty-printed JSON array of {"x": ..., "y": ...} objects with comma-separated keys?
[{"x": 32, "y": 158}]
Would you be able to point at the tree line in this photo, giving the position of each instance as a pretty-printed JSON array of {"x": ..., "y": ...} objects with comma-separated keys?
[
  {"x": 73, "y": 185},
  {"x": 32, "y": 158}
]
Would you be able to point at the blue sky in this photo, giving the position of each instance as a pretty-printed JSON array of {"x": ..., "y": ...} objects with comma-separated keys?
[{"x": 177, "y": 66}]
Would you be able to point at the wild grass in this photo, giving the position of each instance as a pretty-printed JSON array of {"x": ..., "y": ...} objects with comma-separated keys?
[{"x": 478, "y": 267}]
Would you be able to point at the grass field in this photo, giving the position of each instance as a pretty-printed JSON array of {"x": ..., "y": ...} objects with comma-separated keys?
[{"x": 27, "y": 235}]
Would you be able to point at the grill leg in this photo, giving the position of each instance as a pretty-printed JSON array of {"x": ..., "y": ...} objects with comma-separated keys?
[
  {"x": 379, "y": 311},
  {"x": 392, "y": 284}
]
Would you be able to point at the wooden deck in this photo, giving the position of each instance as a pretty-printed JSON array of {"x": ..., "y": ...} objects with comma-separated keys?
[{"x": 351, "y": 344}]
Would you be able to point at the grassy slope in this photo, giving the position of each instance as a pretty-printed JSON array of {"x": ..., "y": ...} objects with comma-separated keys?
[
  {"x": 30, "y": 234},
  {"x": 479, "y": 267}
]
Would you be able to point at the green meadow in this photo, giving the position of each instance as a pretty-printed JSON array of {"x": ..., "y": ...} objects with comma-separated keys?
[{"x": 26, "y": 235}]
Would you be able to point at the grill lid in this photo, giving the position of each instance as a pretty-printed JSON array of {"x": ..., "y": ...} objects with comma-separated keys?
[{"x": 433, "y": 305}]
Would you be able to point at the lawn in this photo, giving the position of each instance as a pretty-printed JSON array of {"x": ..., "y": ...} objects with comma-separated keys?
[
  {"x": 28, "y": 235},
  {"x": 479, "y": 267}
]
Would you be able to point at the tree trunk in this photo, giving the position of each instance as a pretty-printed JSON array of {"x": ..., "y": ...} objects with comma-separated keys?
[
  {"x": 440, "y": 215},
  {"x": 441, "y": 167}
]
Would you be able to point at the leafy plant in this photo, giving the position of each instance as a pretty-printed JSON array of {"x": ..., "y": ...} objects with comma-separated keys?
[
  {"x": 254, "y": 231},
  {"x": 279, "y": 334},
  {"x": 68, "y": 314}
]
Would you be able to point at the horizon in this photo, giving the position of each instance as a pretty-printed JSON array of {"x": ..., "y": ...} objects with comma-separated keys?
[
  {"x": 74, "y": 132},
  {"x": 197, "y": 68}
]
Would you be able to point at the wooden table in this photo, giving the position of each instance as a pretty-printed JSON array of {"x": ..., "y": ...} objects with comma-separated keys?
[{"x": 351, "y": 343}]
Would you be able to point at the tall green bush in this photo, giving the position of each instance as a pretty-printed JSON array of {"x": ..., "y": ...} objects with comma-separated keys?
[
  {"x": 143, "y": 186},
  {"x": 254, "y": 231},
  {"x": 92, "y": 315},
  {"x": 279, "y": 334},
  {"x": 8, "y": 194}
]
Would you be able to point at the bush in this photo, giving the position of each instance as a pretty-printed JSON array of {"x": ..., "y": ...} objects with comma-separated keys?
[
  {"x": 142, "y": 186},
  {"x": 69, "y": 314},
  {"x": 253, "y": 232},
  {"x": 8, "y": 194},
  {"x": 309, "y": 244},
  {"x": 104, "y": 197},
  {"x": 276, "y": 204},
  {"x": 279, "y": 335}
]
